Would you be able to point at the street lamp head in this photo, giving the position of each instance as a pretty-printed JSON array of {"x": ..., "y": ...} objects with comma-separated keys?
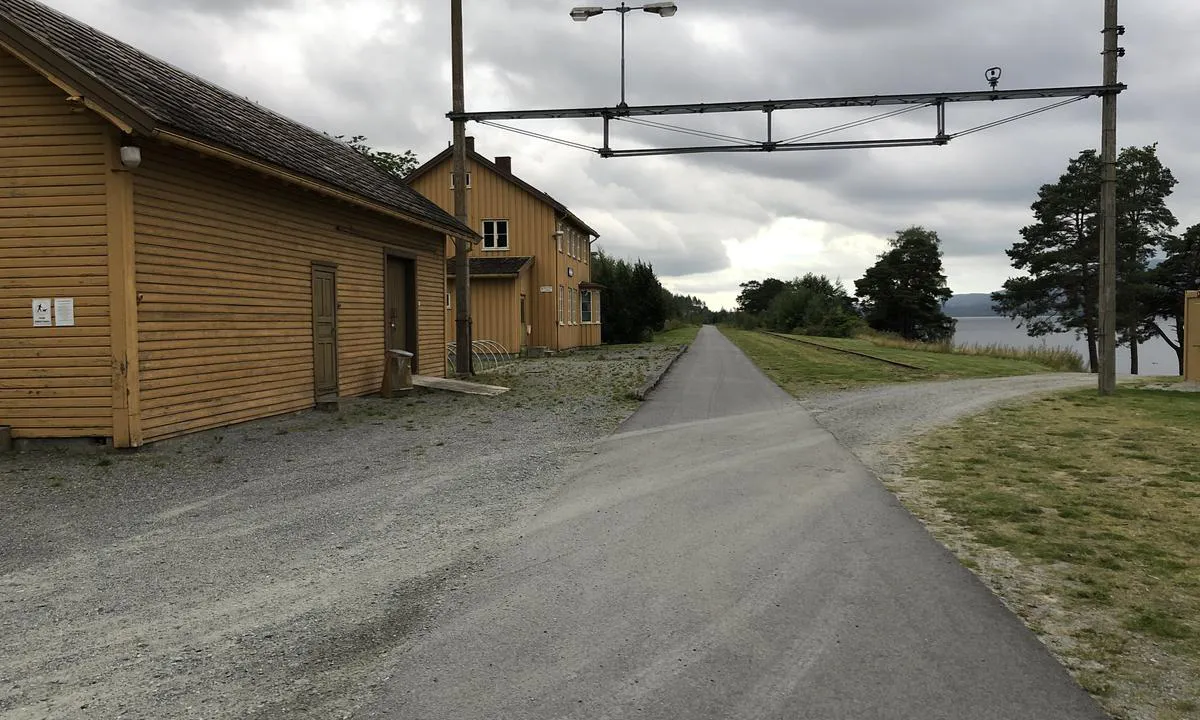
[
  {"x": 663, "y": 9},
  {"x": 581, "y": 14}
]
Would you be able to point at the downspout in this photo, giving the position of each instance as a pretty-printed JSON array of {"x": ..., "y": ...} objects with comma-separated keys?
[{"x": 559, "y": 290}]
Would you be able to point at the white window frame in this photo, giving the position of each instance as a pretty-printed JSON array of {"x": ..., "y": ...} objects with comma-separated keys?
[
  {"x": 495, "y": 236},
  {"x": 561, "y": 304},
  {"x": 570, "y": 306},
  {"x": 588, "y": 318},
  {"x": 452, "y": 180}
]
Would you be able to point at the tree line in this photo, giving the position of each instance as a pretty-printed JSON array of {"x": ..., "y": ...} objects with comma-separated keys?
[
  {"x": 635, "y": 305},
  {"x": 902, "y": 293},
  {"x": 1059, "y": 254}
]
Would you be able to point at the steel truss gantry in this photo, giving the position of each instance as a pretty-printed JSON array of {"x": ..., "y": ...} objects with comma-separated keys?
[{"x": 938, "y": 101}]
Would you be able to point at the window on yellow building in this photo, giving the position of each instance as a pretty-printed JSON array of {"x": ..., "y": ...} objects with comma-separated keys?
[
  {"x": 585, "y": 306},
  {"x": 452, "y": 180},
  {"x": 495, "y": 234},
  {"x": 561, "y": 302}
]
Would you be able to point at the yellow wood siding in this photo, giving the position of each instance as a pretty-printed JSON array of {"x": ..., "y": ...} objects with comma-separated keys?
[
  {"x": 496, "y": 312},
  {"x": 224, "y": 261},
  {"x": 532, "y": 224},
  {"x": 56, "y": 381}
]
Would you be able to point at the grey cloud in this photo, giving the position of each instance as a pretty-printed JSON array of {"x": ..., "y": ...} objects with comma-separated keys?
[{"x": 676, "y": 212}]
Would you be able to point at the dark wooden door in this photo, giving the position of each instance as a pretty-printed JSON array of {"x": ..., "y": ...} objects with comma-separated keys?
[
  {"x": 325, "y": 369},
  {"x": 400, "y": 307}
]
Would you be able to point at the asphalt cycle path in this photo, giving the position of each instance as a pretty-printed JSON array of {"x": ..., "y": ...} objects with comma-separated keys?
[{"x": 723, "y": 556}]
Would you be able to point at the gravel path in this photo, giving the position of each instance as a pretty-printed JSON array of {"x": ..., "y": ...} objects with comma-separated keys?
[
  {"x": 876, "y": 422},
  {"x": 266, "y": 570}
]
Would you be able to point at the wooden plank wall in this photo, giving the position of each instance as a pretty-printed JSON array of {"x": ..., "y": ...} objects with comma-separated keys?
[
  {"x": 495, "y": 310},
  {"x": 54, "y": 382},
  {"x": 225, "y": 313}
]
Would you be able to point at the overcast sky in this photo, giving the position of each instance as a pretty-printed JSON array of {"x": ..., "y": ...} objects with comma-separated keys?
[{"x": 381, "y": 68}]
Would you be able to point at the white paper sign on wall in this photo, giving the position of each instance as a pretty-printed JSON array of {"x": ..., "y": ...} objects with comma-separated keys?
[
  {"x": 64, "y": 312},
  {"x": 41, "y": 312},
  {"x": 547, "y": 289}
]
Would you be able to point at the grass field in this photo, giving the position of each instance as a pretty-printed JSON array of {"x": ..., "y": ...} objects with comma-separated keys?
[
  {"x": 803, "y": 369},
  {"x": 1098, "y": 502},
  {"x": 684, "y": 335}
]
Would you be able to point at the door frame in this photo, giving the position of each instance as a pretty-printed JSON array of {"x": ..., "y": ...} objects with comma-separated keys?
[
  {"x": 331, "y": 268},
  {"x": 413, "y": 339}
]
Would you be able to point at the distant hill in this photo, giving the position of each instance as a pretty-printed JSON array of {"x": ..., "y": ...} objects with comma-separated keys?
[{"x": 970, "y": 305}]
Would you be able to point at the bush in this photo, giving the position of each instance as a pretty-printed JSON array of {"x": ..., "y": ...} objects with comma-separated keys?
[{"x": 813, "y": 305}]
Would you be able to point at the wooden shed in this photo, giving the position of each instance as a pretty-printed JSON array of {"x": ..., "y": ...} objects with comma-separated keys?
[{"x": 177, "y": 258}]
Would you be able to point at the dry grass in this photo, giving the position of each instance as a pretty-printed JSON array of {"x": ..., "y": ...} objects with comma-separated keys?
[
  {"x": 803, "y": 369},
  {"x": 1056, "y": 358},
  {"x": 1096, "y": 504}
]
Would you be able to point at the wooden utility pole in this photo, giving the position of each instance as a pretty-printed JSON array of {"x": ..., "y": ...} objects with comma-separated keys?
[
  {"x": 462, "y": 245},
  {"x": 1108, "y": 206}
]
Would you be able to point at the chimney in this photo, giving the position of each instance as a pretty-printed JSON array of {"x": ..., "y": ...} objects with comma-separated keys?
[
  {"x": 470, "y": 143},
  {"x": 505, "y": 164}
]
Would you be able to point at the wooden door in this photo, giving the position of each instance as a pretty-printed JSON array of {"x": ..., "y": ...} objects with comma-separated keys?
[
  {"x": 400, "y": 307},
  {"x": 324, "y": 303}
]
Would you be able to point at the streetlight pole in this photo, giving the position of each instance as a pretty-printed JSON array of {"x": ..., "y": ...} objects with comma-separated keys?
[
  {"x": 1108, "y": 206},
  {"x": 662, "y": 9},
  {"x": 462, "y": 245}
]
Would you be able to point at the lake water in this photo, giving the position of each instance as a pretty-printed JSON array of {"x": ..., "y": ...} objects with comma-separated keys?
[{"x": 1155, "y": 357}]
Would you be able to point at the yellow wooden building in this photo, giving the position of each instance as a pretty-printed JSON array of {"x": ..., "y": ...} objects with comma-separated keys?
[
  {"x": 174, "y": 257},
  {"x": 531, "y": 271}
]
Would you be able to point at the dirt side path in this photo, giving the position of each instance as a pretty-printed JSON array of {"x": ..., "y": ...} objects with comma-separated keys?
[
  {"x": 264, "y": 570},
  {"x": 878, "y": 422}
]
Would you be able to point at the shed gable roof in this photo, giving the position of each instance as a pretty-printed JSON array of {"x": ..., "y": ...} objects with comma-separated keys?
[
  {"x": 151, "y": 91},
  {"x": 447, "y": 154}
]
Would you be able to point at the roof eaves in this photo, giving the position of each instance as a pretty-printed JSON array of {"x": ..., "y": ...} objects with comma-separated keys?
[
  {"x": 245, "y": 160},
  {"x": 485, "y": 162},
  {"x": 61, "y": 69}
]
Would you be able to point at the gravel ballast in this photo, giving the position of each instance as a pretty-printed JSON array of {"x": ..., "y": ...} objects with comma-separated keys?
[{"x": 267, "y": 570}]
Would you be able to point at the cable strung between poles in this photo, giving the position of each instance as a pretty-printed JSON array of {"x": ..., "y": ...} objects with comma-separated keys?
[
  {"x": 539, "y": 136},
  {"x": 1014, "y": 118}
]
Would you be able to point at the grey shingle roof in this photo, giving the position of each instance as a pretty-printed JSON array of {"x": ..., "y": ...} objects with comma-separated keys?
[
  {"x": 493, "y": 265},
  {"x": 180, "y": 101}
]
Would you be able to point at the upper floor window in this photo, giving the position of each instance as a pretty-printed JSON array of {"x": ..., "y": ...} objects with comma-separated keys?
[
  {"x": 495, "y": 234},
  {"x": 452, "y": 180}
]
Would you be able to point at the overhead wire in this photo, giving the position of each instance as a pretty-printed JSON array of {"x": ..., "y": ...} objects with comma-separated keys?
[
  {"x": 687, "y": 131},
  {"x": 854, "y": 124},
  {"x": 540, "y": 136},
  {"x": 1020, "y": 116}
]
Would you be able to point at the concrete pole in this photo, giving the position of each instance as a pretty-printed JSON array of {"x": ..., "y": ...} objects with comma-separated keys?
[
  {"x": 1108, "y": 208},
  {"x": 462, "y": 246}
]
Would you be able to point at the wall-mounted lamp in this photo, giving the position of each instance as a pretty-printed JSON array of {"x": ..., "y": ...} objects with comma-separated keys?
[{"x": 131, "y": 156}]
